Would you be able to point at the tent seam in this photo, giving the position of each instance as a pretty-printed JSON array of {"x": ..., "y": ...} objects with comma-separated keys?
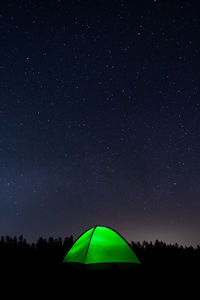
[{"x": 89, "y": 245}]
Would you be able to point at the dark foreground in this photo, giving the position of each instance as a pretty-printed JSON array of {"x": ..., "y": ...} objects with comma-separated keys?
[
  {"x": 141, "y": 282},
  {"x": 37, "y": 272}
]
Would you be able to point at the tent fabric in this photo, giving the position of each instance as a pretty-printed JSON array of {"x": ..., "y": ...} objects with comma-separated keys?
[{"x": 101, "y": 245}]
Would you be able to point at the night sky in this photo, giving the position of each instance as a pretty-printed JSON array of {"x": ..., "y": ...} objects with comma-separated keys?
[{"x": 100, "y": 118}]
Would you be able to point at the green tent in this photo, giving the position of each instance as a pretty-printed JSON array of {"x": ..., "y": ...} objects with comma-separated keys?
[{"x": 99, "y": 248}]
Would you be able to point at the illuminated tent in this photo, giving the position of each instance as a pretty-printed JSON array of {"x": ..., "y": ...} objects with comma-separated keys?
[{"x": 100, "y": 248}]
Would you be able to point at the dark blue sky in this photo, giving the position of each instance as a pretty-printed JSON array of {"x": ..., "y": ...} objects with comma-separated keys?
[{"x": 100, "y": 118}]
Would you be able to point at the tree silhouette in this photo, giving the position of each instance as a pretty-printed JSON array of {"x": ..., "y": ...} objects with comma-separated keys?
[{"x": 42, "y": 261}]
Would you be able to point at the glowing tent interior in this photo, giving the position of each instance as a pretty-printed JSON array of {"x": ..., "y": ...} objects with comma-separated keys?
[{"x": 101, "y": 248}]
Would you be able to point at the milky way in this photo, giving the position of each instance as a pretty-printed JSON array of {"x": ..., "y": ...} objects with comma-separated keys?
[{"x": 100, "y": 118}]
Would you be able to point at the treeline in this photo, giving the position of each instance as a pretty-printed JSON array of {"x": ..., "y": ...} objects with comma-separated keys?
[
  {"x": 35, "y": 266},
  {"x": 50, "y": 252},
  {"x": 161, "y": 255}
]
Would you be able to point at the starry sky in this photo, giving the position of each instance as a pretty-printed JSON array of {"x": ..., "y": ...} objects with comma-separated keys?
[{"x": 100, "y": 118}]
